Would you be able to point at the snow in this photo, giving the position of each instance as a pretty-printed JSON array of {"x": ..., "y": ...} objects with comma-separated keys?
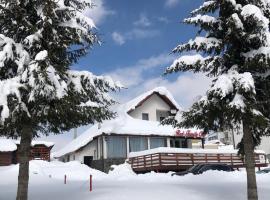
[
  {"x": 214, "y": 142},
  {"x": 252, "y": 10},
  {"x": 227, "y": 83},
  {"x": 200, "y": 43},
  {"x": 189, "y": 60},
  {"x": 237, "y": 21},
  {"x": 201, "y": 8},
  {"x": 7, "y": 145},
  {"x": 223, "y": 85},
  {"x": 39, "y": 75},
  {"x": 41, "y": 55},
  {"x": 201, "y": 19},
  {"x": 122, "y": 125},
  {"x": 47, "y": 182},
  {"x": 186, "y": 150},
  {"x": 131, "y": 105},
  {"x": 121, "y": 171},
  {"x": 262, "y": 50},
  {"x": 11, "y": 145},
  {"x": 8, "y": 87},
  {"x": 238, "y": 102}
]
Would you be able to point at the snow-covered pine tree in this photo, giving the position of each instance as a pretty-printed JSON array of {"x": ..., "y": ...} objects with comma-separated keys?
[
  {"x": 39, "y": 93},
  {"x": 233, "y": 47}
]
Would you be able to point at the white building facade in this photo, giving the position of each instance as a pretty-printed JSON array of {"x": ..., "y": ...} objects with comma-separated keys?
[{"x": 136, "y": 128}]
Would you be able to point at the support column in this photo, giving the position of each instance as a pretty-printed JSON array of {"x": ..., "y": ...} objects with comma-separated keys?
[
  {"x": 148, "y": 143},
  {"x": 168, "y": 142},
  {"x": 104, "y": 147},
  {"x": 127, "y": 146}
]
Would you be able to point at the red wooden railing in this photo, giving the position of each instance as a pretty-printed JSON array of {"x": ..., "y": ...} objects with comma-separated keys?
[{"x": 182, "y": 161}]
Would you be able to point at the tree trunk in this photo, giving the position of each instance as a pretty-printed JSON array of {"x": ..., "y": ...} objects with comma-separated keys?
[
  {"x": 24, "y": 155},
  {"x": 250, "y": 163}
]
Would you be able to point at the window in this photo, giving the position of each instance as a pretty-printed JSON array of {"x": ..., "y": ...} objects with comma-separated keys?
[
  {"x": 74, "y": 157},
  {"x": 162, "y": 114},
  {"x": 179, "y": 143},
  {"x": 157, "y": 142},
  {"x": 145, "y": 116},
  {"x": 137, "y": 144},
  {"x": 116, "y": 147}
]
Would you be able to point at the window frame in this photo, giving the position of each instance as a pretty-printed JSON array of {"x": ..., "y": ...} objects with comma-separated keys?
[{"x": 145, "y": 114}]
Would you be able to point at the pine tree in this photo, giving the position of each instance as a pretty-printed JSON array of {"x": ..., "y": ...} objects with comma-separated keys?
[
  {"x": 233, "y": 48},
  {"x": 40, "y": 93}
]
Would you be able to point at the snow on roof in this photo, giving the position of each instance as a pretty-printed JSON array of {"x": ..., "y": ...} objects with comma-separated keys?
[
  {"x": 7, "y": 145},
  {"x": 186, "y": 150},
  {"x": 11, "y": 145},
  {"x": 131, "y": 105},
  {"x": 123, "y": 124},
  {"x": 218, "y": 142},
  {"x": 38, "y": 142}
]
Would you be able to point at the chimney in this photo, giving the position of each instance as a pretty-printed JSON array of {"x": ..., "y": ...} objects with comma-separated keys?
[{"x": 75, "y": 133}]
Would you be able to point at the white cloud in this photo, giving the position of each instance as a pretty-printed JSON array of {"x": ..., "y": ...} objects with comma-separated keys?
[
  {"x": 186, "y": 88},
  {"x": 133, "y": 75},
  {"x": 171, "y": 3},
  {"x": 99, "y": 11},
  {"x": 143, "y": 21},
  {"x": 163, "y": 20},
  {"x": 118, "y": 38},
  {"x": 140, "y": 78},
  {"x": 136, "y": 33}
]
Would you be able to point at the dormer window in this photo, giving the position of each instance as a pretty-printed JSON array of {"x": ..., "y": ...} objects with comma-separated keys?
[{"x": 145, "y": 116}]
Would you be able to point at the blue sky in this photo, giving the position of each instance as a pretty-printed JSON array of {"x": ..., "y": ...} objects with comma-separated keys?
[
  {"x": 147, "y": 27},
  {"x": 137, "y": 38}
]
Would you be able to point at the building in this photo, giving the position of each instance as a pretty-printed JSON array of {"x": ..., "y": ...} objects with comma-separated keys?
[
  {"x": 233, "y": 137},
  {"x": 136, "y": 128},
  {"x": 7, "y": 152},
  {"x": 40, "y": 150}
]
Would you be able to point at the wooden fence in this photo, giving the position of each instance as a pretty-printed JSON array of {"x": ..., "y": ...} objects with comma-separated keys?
[{"x": 164, "y": 162}]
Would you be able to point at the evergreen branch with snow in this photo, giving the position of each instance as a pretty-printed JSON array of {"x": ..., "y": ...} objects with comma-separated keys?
[
  {"x": 39, "y": 41},
  {"x": 233, "y": 47}
]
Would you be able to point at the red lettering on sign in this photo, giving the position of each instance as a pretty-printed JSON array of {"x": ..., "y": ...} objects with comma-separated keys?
[{"x": 188, "y": 133}]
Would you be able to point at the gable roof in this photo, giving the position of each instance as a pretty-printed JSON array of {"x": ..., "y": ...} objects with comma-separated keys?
[{"x": 162, "y": 92}]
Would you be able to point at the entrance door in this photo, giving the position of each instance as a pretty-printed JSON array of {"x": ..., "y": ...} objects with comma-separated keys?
[
  {"x": 87, "y": 160},
  {"x": 178, "y": 143}
]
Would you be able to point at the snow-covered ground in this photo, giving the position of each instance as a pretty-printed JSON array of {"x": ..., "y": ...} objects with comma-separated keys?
[{"x": 47, "y": 183}]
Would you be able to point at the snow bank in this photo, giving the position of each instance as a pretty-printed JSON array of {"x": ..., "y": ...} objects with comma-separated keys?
[
  {"x": 122, "y": 184},
  {"x": 57, "y": 170},
  {"x": 122, "y": 171}
]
